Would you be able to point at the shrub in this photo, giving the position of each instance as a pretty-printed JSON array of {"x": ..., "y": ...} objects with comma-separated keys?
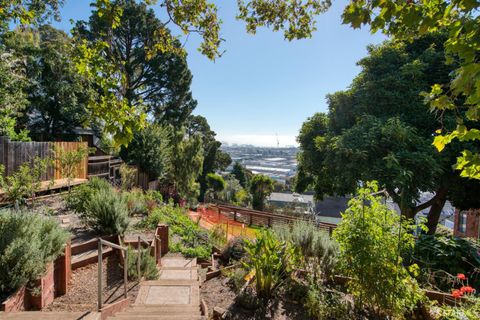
[
  {"x": 270, "y": 261},
  {"x": 235, "y": 249},
  {"x": 153, "y": 199},
  {"x": 318, "y": 250},
  {"x": 154, "y": 195},
  {"x": 136, "y": 202},
  {"x": 372, "y": 238},
  {"x": 24, "y": 182},
  {"x": 216, "y": 183},
  {"x": 106, "y": 211},
  {"x": 148, "y": 265},
  {"x": 81, "y": 195},
  {"x": 187, "y": 237},
  {"x": 67, "y": 161},
  {"x": 218, "y": 236},
  {"x": 128, "y": 177},
  {"x": 236, "y": 278},
  {"x": 323, "y": 304},
  {"x": 464, "y": 311},
  {"x": 441, "y": 258},
  {"x": 28, "y": 242}
]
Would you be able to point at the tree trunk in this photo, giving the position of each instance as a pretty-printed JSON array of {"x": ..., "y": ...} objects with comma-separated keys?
[
  {"x": 436, "y": 209},
  {"x": 408, "y": 212}
]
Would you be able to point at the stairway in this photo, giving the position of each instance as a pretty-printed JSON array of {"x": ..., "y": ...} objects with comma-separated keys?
[
  {"x": 39, "y": 315},
  {"x": 175, "y": 296}
]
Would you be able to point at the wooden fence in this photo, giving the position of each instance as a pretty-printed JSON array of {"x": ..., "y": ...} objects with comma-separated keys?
[{"x": 13, "y": 154}]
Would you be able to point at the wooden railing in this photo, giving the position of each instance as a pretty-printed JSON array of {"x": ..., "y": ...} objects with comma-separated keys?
[
  {"x": 262, "y": 218},
  {"x": 103, "y": 166},
  {"x": 102, "y": 242}
]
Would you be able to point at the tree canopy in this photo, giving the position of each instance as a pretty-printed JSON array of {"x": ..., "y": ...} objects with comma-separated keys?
[
  {"x": 261, "y": 186},
  {"x": 297, "y": 19},
  {"x": 58, "y": 96},
  {"x": 214, "y": 158},
  {"x": 151, "y": 150},
  {"x": 157, "y": 82},
  {"x": 460, "y": 21},
  {"x": 380, "y": 130},
  {"x": 13, "y": 99},
  {"x": 186, "y": 163}
]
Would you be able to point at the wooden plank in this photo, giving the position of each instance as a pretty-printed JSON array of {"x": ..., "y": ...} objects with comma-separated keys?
[{"x": 98, "y": 158}]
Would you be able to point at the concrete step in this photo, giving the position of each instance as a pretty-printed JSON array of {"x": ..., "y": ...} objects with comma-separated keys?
[
  {"x": 164, "y": 309},
  {"x": 178, "y": 274},
  {"x": 156, "y": 317},
  {"x": 171, "y": 282},
  {"x": 169, "y": 262},
  {"x": 36, "y": 315},
  {"x": 88, "y": 257}
]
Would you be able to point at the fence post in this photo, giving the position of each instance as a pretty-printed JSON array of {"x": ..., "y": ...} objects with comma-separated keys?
[
  {"x": 125, "y": 273},
  {"x": 4, "y": 153},
  {"x": 138, "y": 259},
  {"x": 99, "y": 274}
]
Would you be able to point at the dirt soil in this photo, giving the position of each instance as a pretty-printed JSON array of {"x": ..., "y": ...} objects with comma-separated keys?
[
  {"x": 82, "y": 294},
  {"x": 216, "y": 292},
  {"x": 56, "y": 208}
]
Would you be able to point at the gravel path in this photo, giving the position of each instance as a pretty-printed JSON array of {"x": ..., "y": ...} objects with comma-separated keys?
[{"x": 82, "y": 295}]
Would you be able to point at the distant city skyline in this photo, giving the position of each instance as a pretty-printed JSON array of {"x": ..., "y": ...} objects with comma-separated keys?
[
  {"x": 259, "y": 140},
  {"x": 264, "y": 85}
]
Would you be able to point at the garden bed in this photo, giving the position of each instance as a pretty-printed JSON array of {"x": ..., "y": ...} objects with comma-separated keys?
[
  {"x": 217, "y": 292},
  {"x": 82, "y": 295}
]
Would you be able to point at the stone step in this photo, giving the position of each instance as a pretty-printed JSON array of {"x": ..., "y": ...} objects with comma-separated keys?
[
  {"x": 88, "y": 257},
  {"x": 36, "y": 315}
]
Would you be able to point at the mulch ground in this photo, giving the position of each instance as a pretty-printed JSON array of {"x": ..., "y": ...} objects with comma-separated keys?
[
  {"x": 216, "y": 292},
  {"x": 82, "y": 294}
]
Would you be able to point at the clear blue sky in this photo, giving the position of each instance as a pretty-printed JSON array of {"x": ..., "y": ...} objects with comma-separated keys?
[{"x": 264, "y": 85}]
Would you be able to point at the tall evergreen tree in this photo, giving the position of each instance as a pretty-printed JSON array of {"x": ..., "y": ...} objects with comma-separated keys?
[
  {"x": 154, "y": 81},
  {"x": 261, "y": 187},
  {"x": 239, "y": 173},
  {"x": 214, "y": 158}
]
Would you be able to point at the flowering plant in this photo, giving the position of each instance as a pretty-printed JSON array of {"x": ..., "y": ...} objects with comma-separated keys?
[{"x": 465, "y": 290}]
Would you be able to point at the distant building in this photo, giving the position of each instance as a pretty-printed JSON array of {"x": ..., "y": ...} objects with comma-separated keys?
[
  {"x": 293, "y": 202},
  {"x": 467, "y": 223},
  {"x": 330, "y": 209}
]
